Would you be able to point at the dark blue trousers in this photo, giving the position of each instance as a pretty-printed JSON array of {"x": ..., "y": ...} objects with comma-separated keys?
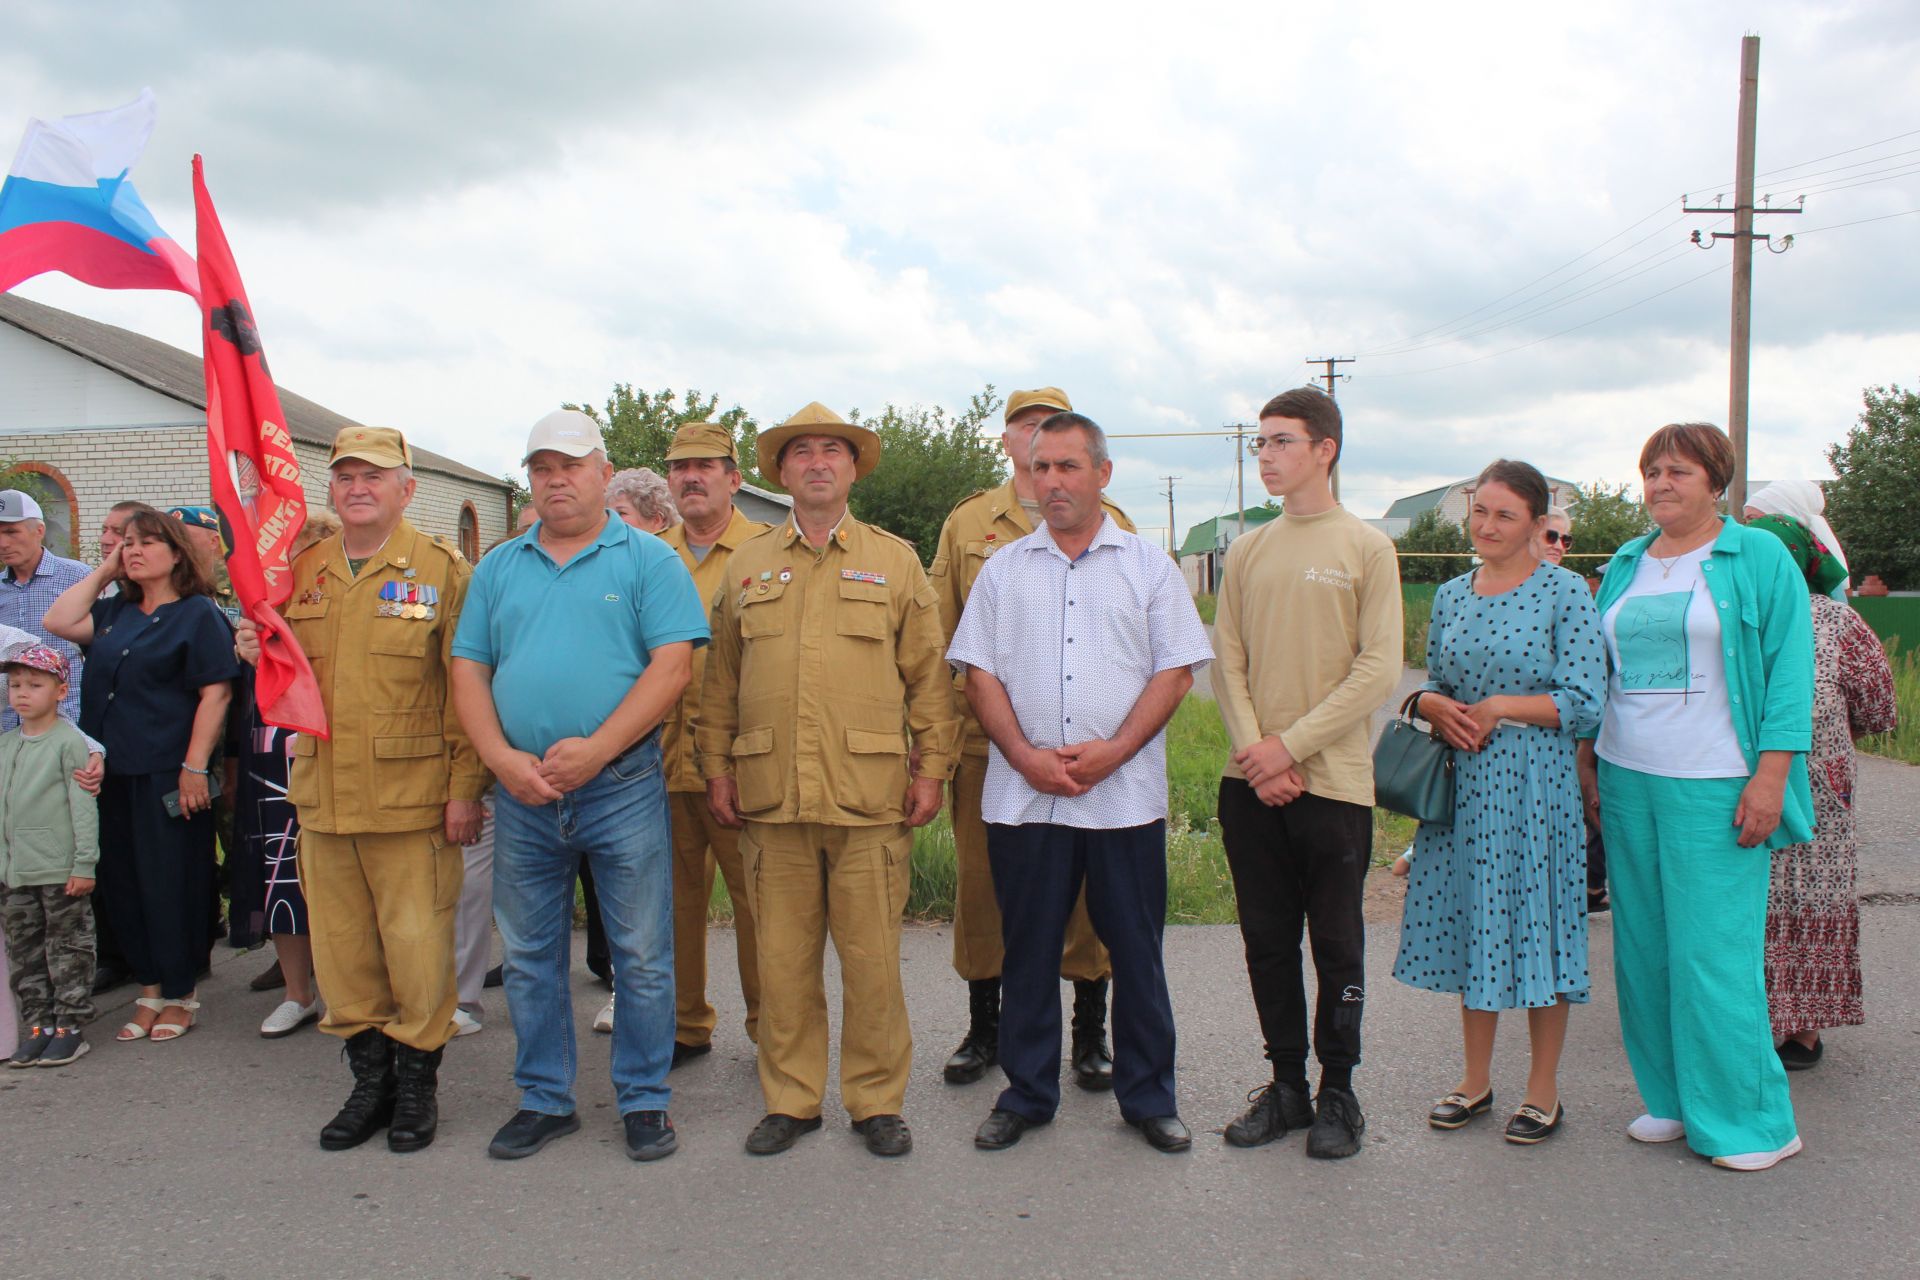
[{"x": 1037, "y": 872}]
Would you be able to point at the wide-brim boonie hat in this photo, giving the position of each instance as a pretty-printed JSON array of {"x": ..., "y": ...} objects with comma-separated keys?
[{"x": 816, "y": 420}]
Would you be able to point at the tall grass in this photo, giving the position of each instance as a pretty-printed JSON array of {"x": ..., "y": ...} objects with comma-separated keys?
[
  {"x": 1904, "y": 742},
  {"x": 1199, "y": 884},
  {"x": 1416, "y": 613},
  {"x": 1205, "y": 604}
]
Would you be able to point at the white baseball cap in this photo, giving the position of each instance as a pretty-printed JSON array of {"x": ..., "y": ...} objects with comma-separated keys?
[
  {"x": 567, "y": 431},
  {"x": 16, "y": 506}
]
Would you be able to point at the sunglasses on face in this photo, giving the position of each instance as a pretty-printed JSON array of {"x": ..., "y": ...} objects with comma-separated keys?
[{"x": 1555, "y": 537}]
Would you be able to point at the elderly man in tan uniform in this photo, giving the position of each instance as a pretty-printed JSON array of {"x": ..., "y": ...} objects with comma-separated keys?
[
  {"x": 827, "y": 653},
  {"x": 703, "y": 474},
  {"x": 981, "y": 525},
  {"x": 387, "y": 801}
]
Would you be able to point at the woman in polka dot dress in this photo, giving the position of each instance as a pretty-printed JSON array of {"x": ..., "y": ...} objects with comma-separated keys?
[{"x": 1496, "y": 903}]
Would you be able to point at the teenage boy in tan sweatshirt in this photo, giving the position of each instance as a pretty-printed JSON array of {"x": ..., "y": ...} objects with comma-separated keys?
[{"x": 1308, "y": 645}]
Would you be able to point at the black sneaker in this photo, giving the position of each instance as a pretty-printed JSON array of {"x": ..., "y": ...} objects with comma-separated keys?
[
  {"x": 31, "y": 1046},
  {"x": 885, "y": 1135},
  {"x": 650, "y": 1135},
  {"x": 1337, "y": 1125},
  {"x": 66, "y": 1045},
  {"x": 685, "y": 1053},
  {"x": 1276, "y": 1108},
  {"x": 528, "y": 1132}
]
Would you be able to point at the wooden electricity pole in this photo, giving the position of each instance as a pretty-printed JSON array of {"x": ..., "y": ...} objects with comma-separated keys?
[
  {"x": 1742, "y": 235},
  {"x": 1330, "y": 377},
  {"x": 1170, "y": 480}
]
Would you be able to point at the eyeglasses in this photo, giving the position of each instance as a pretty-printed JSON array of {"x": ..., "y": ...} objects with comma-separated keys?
[
  {"x": 1555, "y": 536},
  {"x": 1280, "y": 443}
]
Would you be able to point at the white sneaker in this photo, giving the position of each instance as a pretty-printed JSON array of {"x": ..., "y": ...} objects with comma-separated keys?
[
  {"x": 1755, "y": 1161},
  {"x": 465, "y": 1024},
  {"x": 1654, "y": 1129},
  {"x": 289, "y": 1018},
  {"x": 603, "y": 1020}
]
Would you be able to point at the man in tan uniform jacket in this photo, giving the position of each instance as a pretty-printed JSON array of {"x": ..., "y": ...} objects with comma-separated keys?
[
  {"x": 978, "y": 527},
  {"x": 388, "y": 799},
  {"x": 703, "y": 474},
  {"x": 826, "y": 653}
]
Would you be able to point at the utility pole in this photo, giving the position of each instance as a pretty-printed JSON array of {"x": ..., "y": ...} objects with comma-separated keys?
[
  {"x": 1743, "y": 237},
  {"x": 1240, "y": 475},
  {"x": 1170, "y": 480},
  {"x": 1330, "y": 377}
]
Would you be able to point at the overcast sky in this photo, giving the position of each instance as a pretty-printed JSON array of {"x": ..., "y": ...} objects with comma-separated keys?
[{"x": 452, "y": 223}]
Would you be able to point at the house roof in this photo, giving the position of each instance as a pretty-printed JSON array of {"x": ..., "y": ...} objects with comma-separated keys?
[
  {"x": 1413, "y": 504},
  {"x": 1203, "y": 536},
  {"x": 179, "y": 375}
]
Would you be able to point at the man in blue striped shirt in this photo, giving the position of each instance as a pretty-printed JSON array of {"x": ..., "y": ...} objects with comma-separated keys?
[{"x": 33, "y": 580}]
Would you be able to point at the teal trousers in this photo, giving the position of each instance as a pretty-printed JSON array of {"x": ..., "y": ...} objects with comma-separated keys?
[{"x": 1689, "y": 937}]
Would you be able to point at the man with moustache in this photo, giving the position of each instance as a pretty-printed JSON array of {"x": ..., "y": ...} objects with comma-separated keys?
[{"x": 703, "y": 474}]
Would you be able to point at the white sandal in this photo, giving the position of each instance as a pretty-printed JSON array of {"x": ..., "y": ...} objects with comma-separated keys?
[
  {"x": 134, "y": 1031},
  {"x": 175, "y": 1030}
]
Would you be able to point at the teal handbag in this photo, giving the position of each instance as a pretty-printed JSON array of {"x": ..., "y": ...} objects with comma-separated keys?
[{"x": 1413, "y": 770}]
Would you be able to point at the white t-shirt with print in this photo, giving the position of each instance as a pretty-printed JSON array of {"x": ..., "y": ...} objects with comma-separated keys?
[{"x": 1667, "y": 707}]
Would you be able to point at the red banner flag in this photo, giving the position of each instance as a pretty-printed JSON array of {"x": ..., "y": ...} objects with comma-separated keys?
[{"x": 255, "y": 475}]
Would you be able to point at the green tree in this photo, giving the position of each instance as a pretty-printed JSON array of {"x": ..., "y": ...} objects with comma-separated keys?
[
  {"x": 1876, "y": 477},
  {"x": 639, "y": 426},
  {"x": 1603, "y": 519},
  {"x": 929, "y": 461},
  {"x": 1431, "y": 532}
]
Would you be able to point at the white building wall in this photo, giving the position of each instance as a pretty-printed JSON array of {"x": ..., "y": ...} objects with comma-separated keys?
[{"x": 47, "y": 388}]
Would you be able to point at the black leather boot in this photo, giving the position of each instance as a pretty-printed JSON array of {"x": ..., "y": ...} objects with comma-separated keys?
[
  {"x": 981, "y": 1048},
  {"x": 416, "y": 1106},
  {"x": 369, "y": 1108},
  {"x": 1092, "y": 1059}
]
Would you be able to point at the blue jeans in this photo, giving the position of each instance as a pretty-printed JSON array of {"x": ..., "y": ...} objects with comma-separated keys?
[{"x": 618, "y": 824}]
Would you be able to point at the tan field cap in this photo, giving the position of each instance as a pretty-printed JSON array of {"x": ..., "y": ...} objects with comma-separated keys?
[
  {"x": 382, "y": 446},
  {"x": 1040, "y": 397},
  {"x": 702, "y": 440}
]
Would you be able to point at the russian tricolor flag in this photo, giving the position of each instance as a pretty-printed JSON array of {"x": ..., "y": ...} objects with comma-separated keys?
[{"x": 67, "y": 206}]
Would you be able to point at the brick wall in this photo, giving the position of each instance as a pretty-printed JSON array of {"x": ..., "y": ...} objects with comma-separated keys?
[{"x": 167, "y": 467}]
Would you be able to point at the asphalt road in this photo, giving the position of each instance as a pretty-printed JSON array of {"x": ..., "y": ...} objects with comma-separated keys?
[{"x": 199, "y": 1158}]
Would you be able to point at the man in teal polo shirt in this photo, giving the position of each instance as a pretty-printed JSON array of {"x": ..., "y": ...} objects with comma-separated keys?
[{"x": 575, "y": 642}]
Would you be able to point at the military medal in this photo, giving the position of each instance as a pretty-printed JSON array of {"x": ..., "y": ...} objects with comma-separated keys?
[
  {"x": 863, "y": 575},
  {"x": 433, "y": 598},
  {"x": 786, "y": 575}
]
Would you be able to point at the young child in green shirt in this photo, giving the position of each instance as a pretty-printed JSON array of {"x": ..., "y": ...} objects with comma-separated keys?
[{"x": 49, "y": 846}]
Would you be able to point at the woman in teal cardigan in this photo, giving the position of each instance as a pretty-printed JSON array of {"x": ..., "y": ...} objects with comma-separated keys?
[{"x": 1698, "y": 771}]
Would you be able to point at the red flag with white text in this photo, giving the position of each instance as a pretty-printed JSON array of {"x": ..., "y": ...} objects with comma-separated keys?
[{"x": 255, "y": 475}]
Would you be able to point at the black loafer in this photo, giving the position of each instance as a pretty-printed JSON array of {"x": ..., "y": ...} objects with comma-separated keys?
[
  {"x": 1795, "y": 1056},
  {"x": 1165, "y": 1133},
  {"x": 1456, "y": 1109},
  {"x": 1530, "y": 1124},
  {"x": 496, "y": 976},
  {"x": 885, "y": 1135},
  {"x": 684, "y": 1053},
  {"x": 528, "y": 1132},
  {"x": 1001, "y": 1129},
  {"x": 650, "y": 1135},
  {"x": 775, "y": 1133}
]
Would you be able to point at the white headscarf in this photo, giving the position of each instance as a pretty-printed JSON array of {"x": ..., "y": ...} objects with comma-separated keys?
[{"x": 1800, "y": 500}]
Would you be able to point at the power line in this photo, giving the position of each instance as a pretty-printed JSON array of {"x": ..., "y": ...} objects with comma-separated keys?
[{"x": 1835, "y": 226}]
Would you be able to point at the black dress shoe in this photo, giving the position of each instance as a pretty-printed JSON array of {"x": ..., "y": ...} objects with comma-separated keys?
[
  {"x": 650, "y": 1135},
  {"x": 1001, "y": 1129},
  {"x": 688, "y": 1052},
  {"x": 1276, "y": 1108},
  {"x": 775, "y": 1133},
  {"x": 495, "y": 977},
  {"x": 1454, "y": 1110},
  {"x": 1530, "y": 1124},
  {"x": 1795, "y": 1056},
  {"x": 885, "y": 1135},
  {"x": 1165, "y": 1133},
  {"x": 1337, "y": 1125},
  {"x": 528, "y": 1132}
]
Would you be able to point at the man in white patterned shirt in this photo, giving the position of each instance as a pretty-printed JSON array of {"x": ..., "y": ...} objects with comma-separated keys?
[{"x": 1078, "y": 641}]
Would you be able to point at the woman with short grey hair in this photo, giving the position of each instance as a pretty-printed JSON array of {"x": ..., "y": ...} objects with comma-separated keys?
[{"x": 639, "y": 496}]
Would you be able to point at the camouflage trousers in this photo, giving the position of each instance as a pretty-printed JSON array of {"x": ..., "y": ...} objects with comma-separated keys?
[{"x": 50, "y": 949}]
